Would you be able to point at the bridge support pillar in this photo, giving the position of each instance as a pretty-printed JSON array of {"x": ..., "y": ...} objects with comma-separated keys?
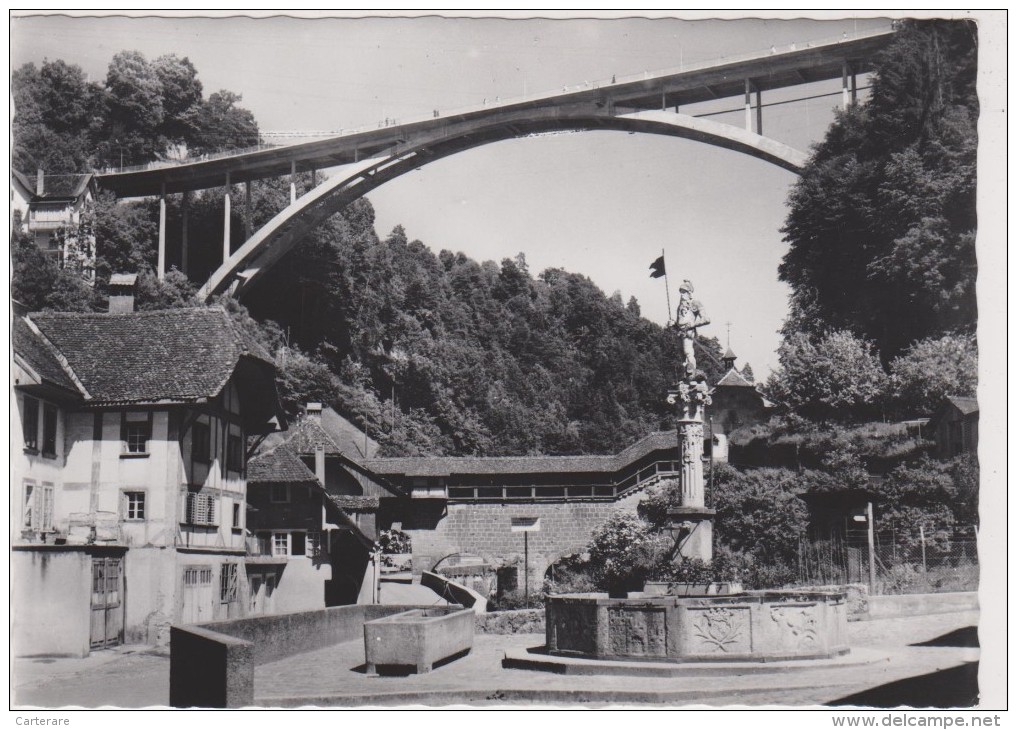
[
  {"x": 248, "y": 209},
  {"x": 226, "y": 222},
  {"x": 184, "y": 206},
  {"x": 161, "y": 266},
  {"x": 849, "y": 85},
  {"x": 293, "y": 182},
  {"x": 748, "y": 105}
]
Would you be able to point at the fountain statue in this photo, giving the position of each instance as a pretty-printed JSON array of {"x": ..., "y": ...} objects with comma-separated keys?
[
  {"x": 692, "y": 521},
  {"x": 685, "y": 623}
]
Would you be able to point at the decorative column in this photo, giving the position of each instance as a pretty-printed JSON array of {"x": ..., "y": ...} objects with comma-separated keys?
[{"x": 692, "y": 521}]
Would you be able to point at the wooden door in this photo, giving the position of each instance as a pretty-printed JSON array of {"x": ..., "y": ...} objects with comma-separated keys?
[
  {"x": 107, "y": 603},
  {"x": 197, "y": 600}
]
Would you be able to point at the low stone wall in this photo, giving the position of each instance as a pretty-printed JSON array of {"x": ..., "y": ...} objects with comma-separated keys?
[
  {"x": 212, "y": 664},
  {"x": 525, "y": 621},
  {"x": 919, "y": 604}
]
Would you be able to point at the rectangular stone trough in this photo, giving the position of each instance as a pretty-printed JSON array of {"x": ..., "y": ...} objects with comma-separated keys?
[{"x": 418, "y": 638}]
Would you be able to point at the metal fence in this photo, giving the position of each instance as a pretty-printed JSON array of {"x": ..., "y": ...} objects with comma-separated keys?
[{"x": 910, "y": 560}]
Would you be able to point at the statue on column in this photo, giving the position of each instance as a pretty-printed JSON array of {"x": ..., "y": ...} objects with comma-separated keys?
[{"x": 688, "y": 317}]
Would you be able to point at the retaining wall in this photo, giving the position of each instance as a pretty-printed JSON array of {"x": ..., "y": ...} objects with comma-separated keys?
[
  {"x": 212, "y": 664},
  {"x": 485, "y": 530}
]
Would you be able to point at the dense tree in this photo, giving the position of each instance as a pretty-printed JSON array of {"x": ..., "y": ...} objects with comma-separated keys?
[
  {"x": 882, "y": 223},
  {"x": 931, "y": 370},
  {"x": 218, "y": 124},
  {"x": 55, "y": 110},
  {"x": 834, "y": 377},
  {"x": 181, "y": 92},
  {"x": 134, "y": 111}
]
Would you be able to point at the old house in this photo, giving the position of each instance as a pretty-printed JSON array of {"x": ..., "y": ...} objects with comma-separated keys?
[
  {"x": 736, "y": 404},
  {"x": 50, "y": 204},
  {"x": 955, "y": 425},
  {"x": 305, "y": 552},
  {"x": 129, "y": 473}
]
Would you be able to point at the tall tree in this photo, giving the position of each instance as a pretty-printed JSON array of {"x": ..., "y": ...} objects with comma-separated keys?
[
  {"x": 882, "y": 223},
  {"x": 181, "y": 92},
  {"x": 134, "y": 111},
  {"x": 218, "y": 124}
]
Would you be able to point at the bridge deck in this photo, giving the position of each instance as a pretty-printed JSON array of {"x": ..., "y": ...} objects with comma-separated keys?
[{"x": 767, "y": 70}]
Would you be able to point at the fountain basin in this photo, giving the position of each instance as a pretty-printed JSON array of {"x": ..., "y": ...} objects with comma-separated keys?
[
  {"x": 418, "y": 638},
  {"x": 749, "y": 626}
]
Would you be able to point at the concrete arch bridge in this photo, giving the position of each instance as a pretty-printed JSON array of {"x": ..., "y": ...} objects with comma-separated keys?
[{"x": 368, "y": 158}]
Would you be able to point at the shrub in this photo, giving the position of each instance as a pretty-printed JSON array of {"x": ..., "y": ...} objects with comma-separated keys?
[{"x": 394, "y": 542}]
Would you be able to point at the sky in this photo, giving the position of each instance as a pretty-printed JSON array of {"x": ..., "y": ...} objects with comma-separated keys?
[{"x": 603, "y": 204}]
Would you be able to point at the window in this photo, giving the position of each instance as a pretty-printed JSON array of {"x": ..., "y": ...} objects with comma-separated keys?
[
  {"x": 136, "y": 431},
  {"x": 234, "y": 454},
  {"x": 280, "y": 493},
  {"x": 280, "y": 543},
  {"x": 197, "y": 577},
  {"x": 49, "y": 429},
  {"x": 236, "y": 516},
  {"x": 30, "y": 423},
  {"x": 28, "y": 505},
  {"x": 228, "y": 583},
  {"x": 201, "y": 509},
  {"x": 201, "y": 442},
  {"x": 297, "y": 543},
  {"x": 313, "y": 543},
  {"x": 37, "y": 507},
  {"x": 134, "y": 505}
]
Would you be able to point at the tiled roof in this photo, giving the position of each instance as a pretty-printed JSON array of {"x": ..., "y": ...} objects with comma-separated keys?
[
  {"x": 307, "y": 435},
  {"x": 174, "y": 355},
  {"x": 279, "y": 466},
  {"x": 332, "y": 432},
  {"x": 424, "y": 466},
  {"x": 38, "y": 356},
  {"x": 354, "y": 502},
  {"x": 351, "y": 440},
  {"x": 965, "y": 405},
  {"x": 735, "y": 379}
]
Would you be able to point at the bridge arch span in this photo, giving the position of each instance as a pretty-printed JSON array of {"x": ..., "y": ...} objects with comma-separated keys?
[{"x": 277, "y": 237}]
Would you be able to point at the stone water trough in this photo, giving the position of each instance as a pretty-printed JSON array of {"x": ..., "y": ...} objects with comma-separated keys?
[
  {"x": 749, "y": 626},
  {"x": 418, "y": 638}
]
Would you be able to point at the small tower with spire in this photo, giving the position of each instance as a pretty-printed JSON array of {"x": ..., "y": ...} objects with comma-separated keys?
[{"x": 729, "y": 359}]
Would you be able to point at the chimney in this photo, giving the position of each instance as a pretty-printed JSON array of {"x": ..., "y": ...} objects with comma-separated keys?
[
  {"x": 313, "y": 410},
  {"x": 319, "y": 464},
  {"x": 121, "y": 293},
  {"x": 40, "y": 186}
]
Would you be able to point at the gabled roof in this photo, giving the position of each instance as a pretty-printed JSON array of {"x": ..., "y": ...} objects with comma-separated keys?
[
  {"x": 55, "y": 187},
  {"x": 424, "y": 466},
  {"x": 965, "y": 405},
  {"x": 279, "y": 465},
  {"x": 306, "y": 436},
  {"x": 733, "y": 378},
  {"x": 40, "y": 357},
  {"x": 174, "y": 355},
  {"x": 351, "y": 440}
]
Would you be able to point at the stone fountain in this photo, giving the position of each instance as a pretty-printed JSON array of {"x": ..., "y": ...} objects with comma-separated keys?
[{"x": 674, "y": 623}]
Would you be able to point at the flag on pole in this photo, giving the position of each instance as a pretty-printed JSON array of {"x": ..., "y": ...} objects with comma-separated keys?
[{"x": 657, "y": 269}]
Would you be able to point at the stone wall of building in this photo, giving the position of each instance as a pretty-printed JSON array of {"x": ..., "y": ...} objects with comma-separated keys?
[{"x": 486, "y": 530}]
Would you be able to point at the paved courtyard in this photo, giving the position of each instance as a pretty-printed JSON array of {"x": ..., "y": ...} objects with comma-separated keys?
[{"x": 946, "y": 665}]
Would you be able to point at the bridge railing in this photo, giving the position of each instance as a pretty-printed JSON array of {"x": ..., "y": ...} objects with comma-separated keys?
[{"x": 497, "y": 101}]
